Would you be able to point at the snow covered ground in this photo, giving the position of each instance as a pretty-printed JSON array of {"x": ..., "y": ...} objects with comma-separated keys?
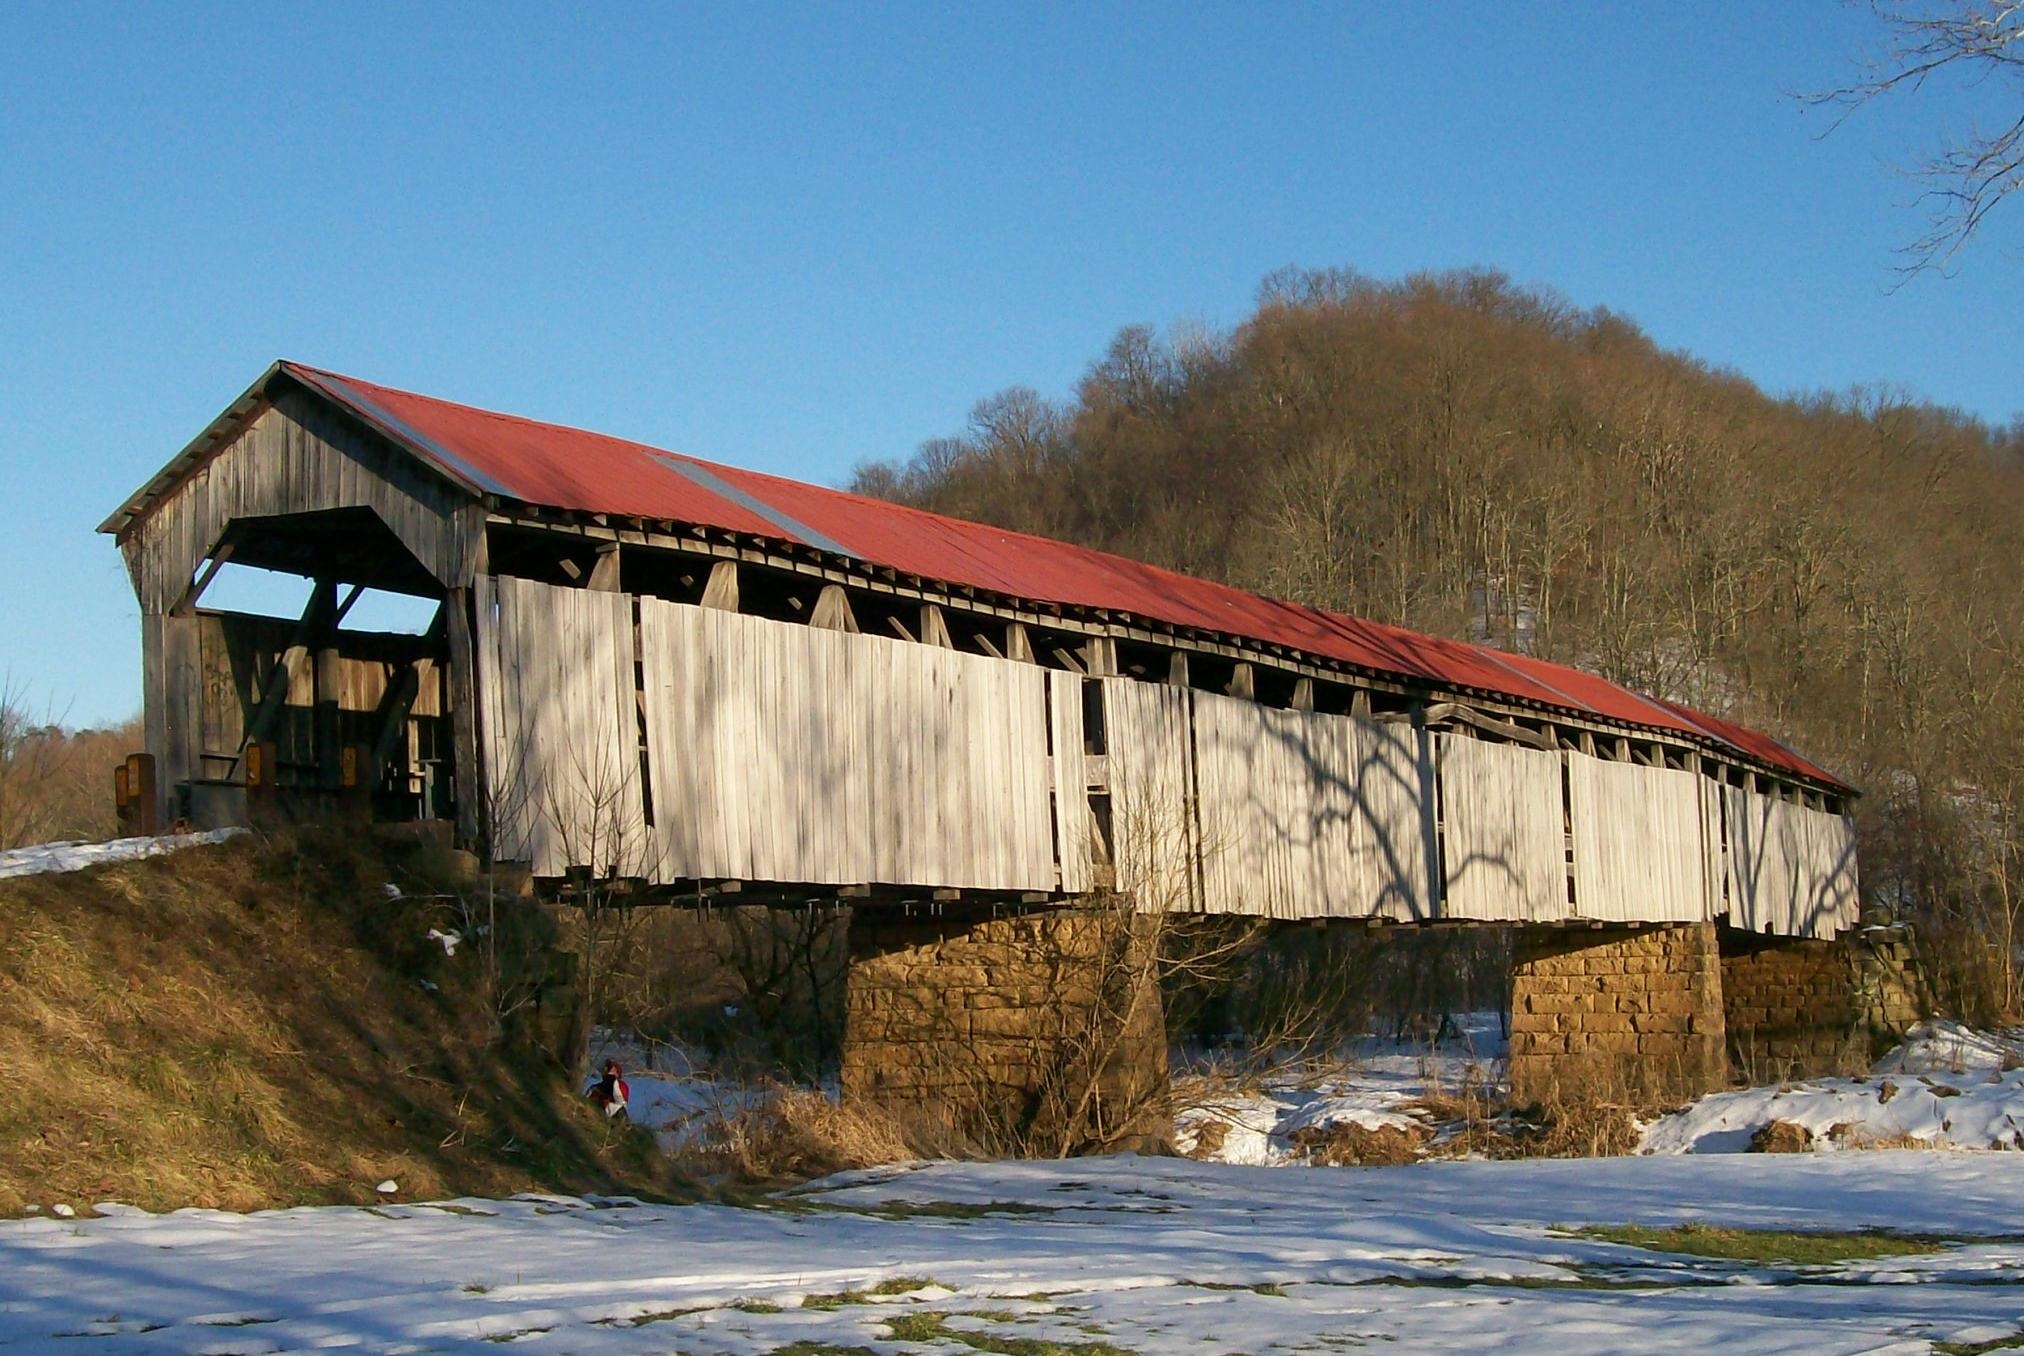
[
  {"x": 1258, "y": 1124},
  {"x": 44, "y": 858},
  {"x": 673, "y": 1091},
  {"x": 1374, "y": 1083},
  {"x": 1140, "y": 1255},
  {"x": 1946, "y": 1087}
]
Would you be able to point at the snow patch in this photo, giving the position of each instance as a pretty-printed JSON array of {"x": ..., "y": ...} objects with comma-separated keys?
[
  {"x": 1374, "y": 1084},
  {"x": 1948, "y": 1047},
  {"x": 50, "y": 858}
]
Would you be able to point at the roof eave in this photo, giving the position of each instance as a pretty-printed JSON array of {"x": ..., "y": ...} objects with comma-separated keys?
[{"x": 142, "y": 499}]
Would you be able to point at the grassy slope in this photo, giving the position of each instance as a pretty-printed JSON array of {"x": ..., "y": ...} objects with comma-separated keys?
[{"x": 247, "y": 1026}]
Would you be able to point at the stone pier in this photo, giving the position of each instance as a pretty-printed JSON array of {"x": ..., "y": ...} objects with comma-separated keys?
[
  {"x": 1039, "y": 1032},
  {"x": 1801, "y": 1008},
  {"x": 1616, "y": 1013}
]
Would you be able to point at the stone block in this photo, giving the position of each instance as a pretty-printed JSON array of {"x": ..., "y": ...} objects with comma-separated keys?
[{"x": 970, "y": 1023}]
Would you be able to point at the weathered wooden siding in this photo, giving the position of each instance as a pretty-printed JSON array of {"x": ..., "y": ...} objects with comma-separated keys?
[
  {"x": 1791, "y": 868},
  {"x": 1834, "y": 896},
  {"x": 1395, "y": 797},
  {"x": 1226, "y": 806},
  {"x": 1074, "y": 829},
  {"x": 298, "y": 456},
  {"x": 787, "y": 753},
  {"x": 1150, "y": 751},
  {"x": 1638, "y": 851},
  {"x": 790, "y": 753},
  {"x": 558, "y": 715},
  {"x": 1277, "y": 817},
  {"x": 1504, "y": 831},
  {"x": 1714, "y": 850}
]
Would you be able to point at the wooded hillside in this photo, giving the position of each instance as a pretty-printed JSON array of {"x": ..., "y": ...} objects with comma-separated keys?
[{"x": 1472, "y": 458}]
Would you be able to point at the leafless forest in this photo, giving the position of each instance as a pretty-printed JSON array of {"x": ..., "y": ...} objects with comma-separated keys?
[
  {"x": 1468, "y": 457},
  {"x": 55, "y": 782}
]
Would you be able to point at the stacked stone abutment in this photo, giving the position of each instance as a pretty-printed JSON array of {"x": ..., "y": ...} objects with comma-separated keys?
[
  {"x": 1616, "y": 1013},
  {"x": 1789, "y": 1006},
  {"x": 1797, "y": 1007},
  {"x": 1036, "y": 1033}
]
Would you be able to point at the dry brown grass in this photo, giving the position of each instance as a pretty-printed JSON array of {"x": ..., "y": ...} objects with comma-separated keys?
[
  {"x": 791, "y": 1135},
  {"x": 1849, "y": 1136},
  {"x": 1347, "y": 1144},
  {"x": 248, "y": 1026},
  {"x": 1209, "y": 1138},
  {"x": 1570, "y": 1128}
]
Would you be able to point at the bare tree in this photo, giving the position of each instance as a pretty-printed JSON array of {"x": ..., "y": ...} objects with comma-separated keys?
[
  {"x": 1980, "y": 43},
  {"x": 31, "y": 762},
  {"x": 55, "y": 783}
]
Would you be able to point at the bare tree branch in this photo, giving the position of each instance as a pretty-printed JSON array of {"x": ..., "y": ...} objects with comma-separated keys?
[{"x": 1980, "y": 42}]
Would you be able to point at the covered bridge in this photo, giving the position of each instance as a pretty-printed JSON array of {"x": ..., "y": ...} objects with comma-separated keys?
[{"x": 716, "y": 683}]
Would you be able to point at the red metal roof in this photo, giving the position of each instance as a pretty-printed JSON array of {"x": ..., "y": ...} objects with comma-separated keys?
[{"x": 566, "y": 468}]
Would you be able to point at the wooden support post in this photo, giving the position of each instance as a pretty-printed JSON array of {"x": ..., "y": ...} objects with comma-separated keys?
[
  {"x": 721, "y": 590},
  {"x": 357, "y": 779},
  {"x": 328, "y": 677},
  {"x": 179, "y": 657},
  {"x": 1177, "y": 669},
  {"x": 154, "y": 690},
  {"x": 1099, "y": 657},
  {"x": 935, "y": 630},
  {"x": 1018, "y": 644},
  {"x": 391, "y": 719},
  {"x": 262, "y": 782},
  {"x": 467, "y": 776},
  {"x": 1359, "y": 703},
  {"x": 1303, "y": 694},
  {"x": 392, "y": 716},
  {"x": 604, "y": 576},
  {"x": 1449, "y": 711},
  {"x": 832, "y": 610},
  {"x": 1243, "y": 683},
  {"x": 143, "y": 795}
]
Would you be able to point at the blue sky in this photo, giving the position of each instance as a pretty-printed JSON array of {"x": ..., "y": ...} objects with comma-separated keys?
[{"x": 799, "y": 238}]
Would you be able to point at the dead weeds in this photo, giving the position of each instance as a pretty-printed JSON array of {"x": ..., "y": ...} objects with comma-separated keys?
[
  {"x": 784, "y": 1134},
  {"x": 248, "y": 1025}
]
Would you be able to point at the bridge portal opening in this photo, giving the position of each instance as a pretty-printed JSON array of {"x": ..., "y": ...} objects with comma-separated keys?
[{"x": 304, "y": 671}]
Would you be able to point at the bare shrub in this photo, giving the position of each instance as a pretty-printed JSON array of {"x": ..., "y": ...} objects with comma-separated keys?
[
  {"x": 1347, "y": 1144},
  {"x": 1573, "y": 1128},
  {"x": 758, "y": 990},
  {"x": 792, "y": 1134}
]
